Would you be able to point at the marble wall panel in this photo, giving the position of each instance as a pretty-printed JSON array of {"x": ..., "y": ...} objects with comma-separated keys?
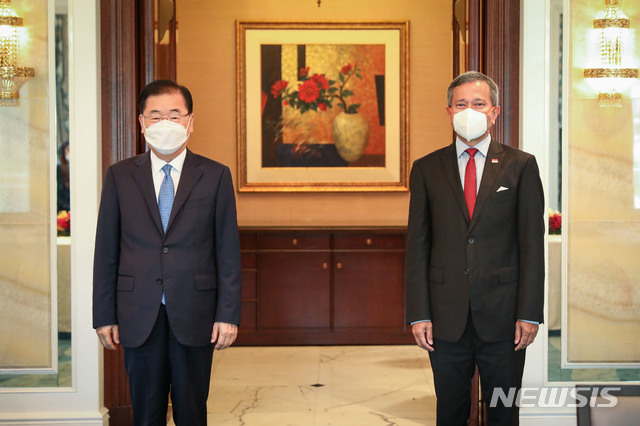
[
  {"x": 604, "y": 292},
  {"x": 25, "y": 213},
  {"x": 25, "y": 296},
  {"x": 602, "y": 223}
]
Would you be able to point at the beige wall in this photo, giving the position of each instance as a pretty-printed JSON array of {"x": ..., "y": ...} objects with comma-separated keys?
[{"x": 206, "y": 64}]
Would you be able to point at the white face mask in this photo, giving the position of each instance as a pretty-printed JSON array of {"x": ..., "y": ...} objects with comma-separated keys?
[
  {"x": 166, "y": 137},
  {"x": 470, "y": 124}
]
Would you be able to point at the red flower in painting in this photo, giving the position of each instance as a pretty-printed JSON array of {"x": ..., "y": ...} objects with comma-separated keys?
[
  {"x": 278, "y": 87},
  {"x": 321, "y": 81},
  {"x": 309, "y": 91},
  {"x": 316, "y": 92}
]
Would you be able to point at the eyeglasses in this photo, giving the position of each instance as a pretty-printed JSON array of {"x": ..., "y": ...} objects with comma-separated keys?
[{"x": 173, "y": 117}]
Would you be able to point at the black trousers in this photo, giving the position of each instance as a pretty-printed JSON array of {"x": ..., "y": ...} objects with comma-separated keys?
[
  {"x": 162, "y": 365},
  {"x": 453, "y": 367}
]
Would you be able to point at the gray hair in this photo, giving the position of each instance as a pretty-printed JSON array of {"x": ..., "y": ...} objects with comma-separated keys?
[{"x": 472, "y": 77}]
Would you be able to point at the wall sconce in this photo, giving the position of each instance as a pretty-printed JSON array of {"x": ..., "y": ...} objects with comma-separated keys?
[
  {"x": 611, "y": 55},
  {"x": 12, "y": 77}
]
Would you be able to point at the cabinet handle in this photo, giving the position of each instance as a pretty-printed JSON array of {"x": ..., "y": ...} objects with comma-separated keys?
[
  {"x": 369, "y": 241},
  {"x": 325, "y": 265},
  {"x": 339, "y": 265},
  {"x": 294, "y": 241}
]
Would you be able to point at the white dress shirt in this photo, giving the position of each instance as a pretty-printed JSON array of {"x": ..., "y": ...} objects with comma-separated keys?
[
  {"x": 176, "y": 170},
  {"x": 480, "y": 158}
]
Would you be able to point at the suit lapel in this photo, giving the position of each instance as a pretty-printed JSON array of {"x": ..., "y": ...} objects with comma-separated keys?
[
  {"x": 144, "y": 179},
  {"x": 188, "y": 178},
  {"x": 452, "y": 172},
  {"x": 490, "y": 173}
]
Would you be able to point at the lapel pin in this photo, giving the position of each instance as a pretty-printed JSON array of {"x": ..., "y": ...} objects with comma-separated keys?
[{"x": 494, "y": 160}]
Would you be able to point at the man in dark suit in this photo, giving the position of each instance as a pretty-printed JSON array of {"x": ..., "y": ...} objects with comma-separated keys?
[
  {"x": 475, "y": 256},
  {"x": 167, "y": 263}
]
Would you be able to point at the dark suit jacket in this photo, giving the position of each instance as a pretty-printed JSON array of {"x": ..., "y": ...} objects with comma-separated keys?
[
  {"x": 196, "y": 263},
  {"x": 491, "y": 265}
]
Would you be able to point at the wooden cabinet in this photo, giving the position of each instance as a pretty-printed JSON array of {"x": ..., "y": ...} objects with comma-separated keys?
[
  {"x": 323, "y": 287},
  {"x": 294, "y": 281}
]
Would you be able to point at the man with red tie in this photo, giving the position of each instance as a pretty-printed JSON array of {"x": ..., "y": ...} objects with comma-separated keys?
[{"x": 475, "y": 256}]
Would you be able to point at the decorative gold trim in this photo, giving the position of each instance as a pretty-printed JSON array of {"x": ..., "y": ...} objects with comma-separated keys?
[
  {"x": 16, "y": 72},
  {"x": 9, "y": 95},
  {"x": 610, "y": 96},
  {"x": 611, "y": 23},
  {"x": 611, "y": 73},
  {"x": 610, "y": 100},
  {"x": 14, "y": 21}
]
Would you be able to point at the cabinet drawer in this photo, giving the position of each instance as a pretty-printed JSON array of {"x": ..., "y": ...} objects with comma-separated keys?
[
  {"x": 369, "y": 241},
  {"x": 294, "y": 241}
]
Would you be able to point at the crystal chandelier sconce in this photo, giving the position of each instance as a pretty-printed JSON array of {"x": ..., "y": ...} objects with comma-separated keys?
[
  {"x": 610, "y": 55},
  {"x": 12, "y": 76}
]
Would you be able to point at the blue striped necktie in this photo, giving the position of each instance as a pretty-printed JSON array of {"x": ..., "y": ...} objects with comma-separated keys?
[
  {"x": 165, "y": 196},
  {"x": 165, "y": 200}
]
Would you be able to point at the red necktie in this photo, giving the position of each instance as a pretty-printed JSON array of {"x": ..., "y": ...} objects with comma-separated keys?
[{"x": 470, "y": 181}]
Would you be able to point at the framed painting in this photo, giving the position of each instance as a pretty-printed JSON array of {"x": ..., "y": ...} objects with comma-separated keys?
[{"x": 322, "y": 106}]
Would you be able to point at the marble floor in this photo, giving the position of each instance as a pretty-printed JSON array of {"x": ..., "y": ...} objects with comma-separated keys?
[{"x": 320, "y": 386}]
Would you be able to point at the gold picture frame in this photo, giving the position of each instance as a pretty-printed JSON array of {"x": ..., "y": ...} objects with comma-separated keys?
[{"x": 295, "y": 78}]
